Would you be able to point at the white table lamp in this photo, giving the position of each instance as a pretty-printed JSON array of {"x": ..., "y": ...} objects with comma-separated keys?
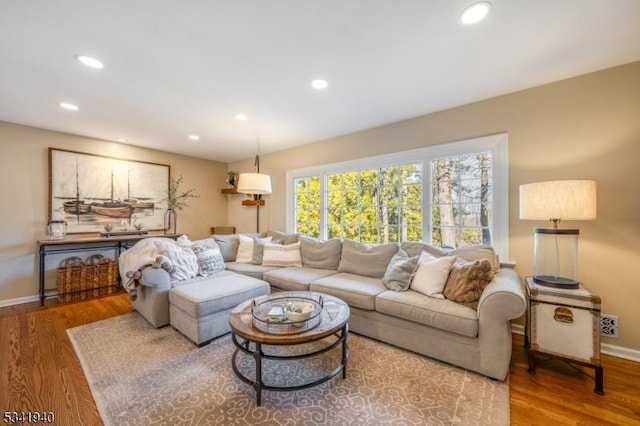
[{"x": 555, "y": 258}]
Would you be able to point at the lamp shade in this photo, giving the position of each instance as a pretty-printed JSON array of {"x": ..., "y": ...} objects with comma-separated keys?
[
  {"x": 254, "y": 183},
  {"x": 558, "y": 199}
]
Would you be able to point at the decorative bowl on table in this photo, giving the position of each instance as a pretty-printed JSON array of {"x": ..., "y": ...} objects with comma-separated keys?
[{"x": 297, "y": 311}]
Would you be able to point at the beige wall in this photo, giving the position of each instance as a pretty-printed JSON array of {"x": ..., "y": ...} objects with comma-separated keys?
[
  {"x": 24, "y": 195},
  {"x": 586, "y": 127}
]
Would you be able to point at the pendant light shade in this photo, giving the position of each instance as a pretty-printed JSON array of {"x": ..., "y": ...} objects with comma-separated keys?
[{"x": 254, "y": 183}]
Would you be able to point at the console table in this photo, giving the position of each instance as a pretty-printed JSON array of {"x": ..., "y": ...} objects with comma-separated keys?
[{"x": 118, "y": 243}]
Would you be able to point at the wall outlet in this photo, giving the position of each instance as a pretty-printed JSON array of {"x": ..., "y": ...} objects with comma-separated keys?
[{"x": 609, "y": 326}]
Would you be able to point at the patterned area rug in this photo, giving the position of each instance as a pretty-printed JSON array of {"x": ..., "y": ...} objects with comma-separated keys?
[{"x": 140, "y": 375}]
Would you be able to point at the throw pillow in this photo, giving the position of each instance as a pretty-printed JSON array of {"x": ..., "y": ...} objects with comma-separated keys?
[
  {"x": 245, "y": 248},
  {"x": 431, "y": 275},
  {"x": 400, "y": 271},
  {"x": 320, "y": 254},
  {"x": 467, "y": 280},
  {"x": 364, "y": 259},
  {"x": 228, "y": 245},
  {"x": 258, "y": 249},
  {"x": 281, "y": 255},
  {"x": 209, "y": 257}
]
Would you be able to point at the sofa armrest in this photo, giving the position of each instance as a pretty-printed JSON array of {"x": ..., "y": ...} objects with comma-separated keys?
[
  {"x": 156, "y": 277},
  {"x": 502, "y": 300},
  {"x": 153, "y": 296},
  {"x": 504, "y": 297}
]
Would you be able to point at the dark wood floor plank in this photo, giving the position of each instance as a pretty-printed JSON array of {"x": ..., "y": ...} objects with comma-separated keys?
[{"x": 40, "y": 371}]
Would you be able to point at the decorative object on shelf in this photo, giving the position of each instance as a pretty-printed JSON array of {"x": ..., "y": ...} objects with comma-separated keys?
[
  {"x": 112, "y": 233},
  {"x": 57, "y": 229},
  {"x": 555, "y": 258},
  {"x": 137, "y": 225},
  {"x": 176, "y": 200},
  {"x": 232, "y": 179},
  {"x": 256, "y": 184},
  {"x": 170, "y": 221}
]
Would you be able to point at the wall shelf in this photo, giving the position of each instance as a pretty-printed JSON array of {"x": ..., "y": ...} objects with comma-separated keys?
[
  {"x": 233, "y": 190},
  {"x": 253, "y": 202}
]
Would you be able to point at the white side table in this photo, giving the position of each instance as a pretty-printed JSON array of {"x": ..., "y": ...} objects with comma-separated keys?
[{"x": 564, "y": 324}]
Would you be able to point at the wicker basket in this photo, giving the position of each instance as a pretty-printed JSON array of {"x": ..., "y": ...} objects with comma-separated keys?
[{"x": 78, "y": 280}]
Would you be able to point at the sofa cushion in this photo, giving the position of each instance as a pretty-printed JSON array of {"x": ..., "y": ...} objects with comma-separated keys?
[
  {"x": 415, "y": 249},
  {"x": 467, "y": 280},
  {"x": 320, "y": 254},
  {"x": 215, "y": 294},
  {"x": 365, "y": 259},
  {"x": 431, "y": 275},
  {"x": 477, "y": 253},
  {"x": 356, "y": 290},
  {"x": 295, "y": 279},
  {"x": 209, "y": 257},
  {"x": 400, "y": 271},
  {"x": 438, "y": 313},
  {"x": 249, "y": 269},
  {"x": 283, "y": 237}
]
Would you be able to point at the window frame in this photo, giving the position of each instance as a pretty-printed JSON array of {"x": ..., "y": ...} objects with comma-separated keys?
[{"x": 497, "y": 144}]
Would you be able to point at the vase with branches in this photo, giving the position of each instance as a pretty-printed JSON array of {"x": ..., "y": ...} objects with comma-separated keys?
[{"x": 176, "y": 200}]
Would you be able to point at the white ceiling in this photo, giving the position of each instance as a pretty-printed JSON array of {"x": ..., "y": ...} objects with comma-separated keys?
[{"x": 174, "y": 68}]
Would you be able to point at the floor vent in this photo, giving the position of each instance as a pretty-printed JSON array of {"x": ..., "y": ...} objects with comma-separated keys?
[{"x": 609, "y": 326}]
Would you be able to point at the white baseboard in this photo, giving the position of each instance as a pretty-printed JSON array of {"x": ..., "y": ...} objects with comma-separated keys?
[
  {"x": 605, "y": 348},
  {"x": 19, "y": 301},
  {"x": 517, "y": 329},
  {"x": 620, "y": 352}
]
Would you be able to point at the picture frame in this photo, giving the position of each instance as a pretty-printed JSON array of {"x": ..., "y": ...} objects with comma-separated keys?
[{"x": 98, "y": 193}]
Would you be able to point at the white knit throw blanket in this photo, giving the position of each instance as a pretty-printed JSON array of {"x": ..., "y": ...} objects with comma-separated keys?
[{"x": 146, "y": 251}]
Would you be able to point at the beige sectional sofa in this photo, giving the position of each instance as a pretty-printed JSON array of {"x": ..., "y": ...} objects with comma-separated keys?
[{"x": 478, "y": 339}]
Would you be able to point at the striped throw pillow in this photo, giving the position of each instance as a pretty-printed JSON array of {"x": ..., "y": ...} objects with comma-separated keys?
[{"x": 281, "y": 255}]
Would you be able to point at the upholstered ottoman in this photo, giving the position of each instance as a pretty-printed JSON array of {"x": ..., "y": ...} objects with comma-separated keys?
[{"x": 200, "y": 309}]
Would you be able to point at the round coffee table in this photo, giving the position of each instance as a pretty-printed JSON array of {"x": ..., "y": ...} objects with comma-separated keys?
[{"x": 248, "y": 339}]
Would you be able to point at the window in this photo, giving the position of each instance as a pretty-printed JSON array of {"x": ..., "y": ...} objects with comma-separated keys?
[
  {"x": 307, "y": 205},
  {"x": 461, "y": 207},
  {"x": 450, "y": 196}
]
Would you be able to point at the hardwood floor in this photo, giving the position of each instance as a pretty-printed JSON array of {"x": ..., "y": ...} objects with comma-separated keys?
[{"x": 41, "y": 373}]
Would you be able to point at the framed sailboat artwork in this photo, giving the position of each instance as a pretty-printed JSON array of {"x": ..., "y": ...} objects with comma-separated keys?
[{"x": 95, "y": 192}]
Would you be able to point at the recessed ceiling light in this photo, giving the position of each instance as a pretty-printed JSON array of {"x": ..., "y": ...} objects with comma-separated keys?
[
  {"x": 121, "y": 140},
  {"x": 319, "y": 84},
  {"x": 194, "y": 137},
  {"x": 68, "y": 106},
  {"x": 241, "y": 117},
  {"x": 90, "y": 62},
  {"x": 475, "y": 13}
]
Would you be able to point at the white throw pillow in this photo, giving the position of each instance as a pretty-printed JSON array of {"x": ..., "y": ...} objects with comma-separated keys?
[
  {"x": 431, "y": 275},
  {"x": 280, "y": 255},
  {"x": 245, "y": 249}
]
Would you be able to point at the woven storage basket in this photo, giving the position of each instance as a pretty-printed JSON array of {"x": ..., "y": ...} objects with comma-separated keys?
[
  {"x": 72, "y": 273},
  {"x": 78, "y": 280},
  {"x": 101, "y": 272}
]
